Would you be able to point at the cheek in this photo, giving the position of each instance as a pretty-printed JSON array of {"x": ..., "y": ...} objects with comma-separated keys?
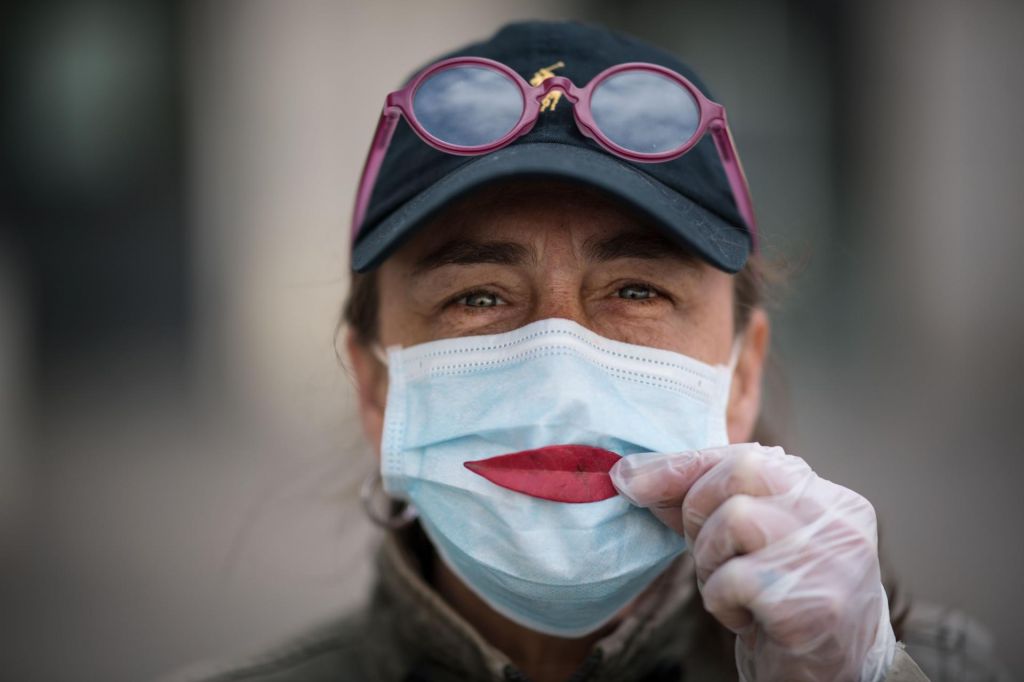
[
  {"x": 718, "y": 326},
  {"x": 702, "y": 328}
]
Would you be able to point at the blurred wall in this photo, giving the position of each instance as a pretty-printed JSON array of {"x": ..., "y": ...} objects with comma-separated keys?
[{"x": 178, "y": 453}]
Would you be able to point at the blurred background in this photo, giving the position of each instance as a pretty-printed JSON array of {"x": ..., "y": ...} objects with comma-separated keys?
[{"x": 179, "y": 457}]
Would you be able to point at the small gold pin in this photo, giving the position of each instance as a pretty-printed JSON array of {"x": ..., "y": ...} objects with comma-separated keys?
[{"x": 550, "y": 100}]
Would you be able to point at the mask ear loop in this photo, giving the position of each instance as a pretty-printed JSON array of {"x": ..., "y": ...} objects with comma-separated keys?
[
  {"x": 734, "y": 359},
  {"x": 373, "y": 484},
  {"x": 373, "y": 488},
  {"x": 378, "y": 352},
  {"x": 737, "y": 348}
]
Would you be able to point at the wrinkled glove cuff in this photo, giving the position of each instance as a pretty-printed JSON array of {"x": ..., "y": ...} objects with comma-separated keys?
[{"x": 878, "y": 659}]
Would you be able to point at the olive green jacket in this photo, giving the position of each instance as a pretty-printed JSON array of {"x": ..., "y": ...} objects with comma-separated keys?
[{"x": 408, "y": 633}]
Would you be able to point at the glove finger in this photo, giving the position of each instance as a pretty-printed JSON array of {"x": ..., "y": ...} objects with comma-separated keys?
[
  {"x": 749, "y": 589},
  {"x": 806, "y": 591},
  {"x": 661, "y": 480},
  {"x": 753, "y": 470},
  {"x": 728, "y": 591},
  {"x": 741, "y": 525}
]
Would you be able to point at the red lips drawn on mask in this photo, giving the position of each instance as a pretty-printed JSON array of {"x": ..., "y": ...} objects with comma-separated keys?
[{"x": 561, "y": 473}]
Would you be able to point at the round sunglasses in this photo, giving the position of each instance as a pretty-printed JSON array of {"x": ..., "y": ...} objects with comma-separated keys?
[{"x": 644, "y": 113}]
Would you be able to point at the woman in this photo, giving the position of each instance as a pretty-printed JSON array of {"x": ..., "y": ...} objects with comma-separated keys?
[{"x": 556, "y": 332}]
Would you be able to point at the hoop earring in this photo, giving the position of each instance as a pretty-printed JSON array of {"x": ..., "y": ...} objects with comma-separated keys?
[{"x": 372, "y": 485}]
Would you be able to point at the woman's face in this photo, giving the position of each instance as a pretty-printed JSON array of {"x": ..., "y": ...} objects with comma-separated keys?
[{"x": 507, "y": 258}]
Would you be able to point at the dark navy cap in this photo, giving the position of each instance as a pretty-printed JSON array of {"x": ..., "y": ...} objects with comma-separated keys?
[{"x": 688, "y": 197}]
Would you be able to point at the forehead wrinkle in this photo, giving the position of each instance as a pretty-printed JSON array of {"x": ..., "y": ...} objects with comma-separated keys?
[
  {"x": 647, "y": 245},
  {"x": 466, "y": 251}
]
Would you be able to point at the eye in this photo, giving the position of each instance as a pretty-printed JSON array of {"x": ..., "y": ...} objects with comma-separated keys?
[
  {"x": 480, "y": 299},
  {"x": 637, "y": 292}
]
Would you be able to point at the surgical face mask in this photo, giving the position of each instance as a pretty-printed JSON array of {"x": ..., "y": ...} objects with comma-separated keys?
[{"x": 557, "y": 568}]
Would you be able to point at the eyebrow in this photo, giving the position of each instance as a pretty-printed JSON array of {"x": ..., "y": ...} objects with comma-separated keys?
[
  {"x": 644, "y": 245},
  {"x": 465, "y": 252}
]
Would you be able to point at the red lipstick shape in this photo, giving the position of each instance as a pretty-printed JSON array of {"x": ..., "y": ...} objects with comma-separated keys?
[{"x": 560, "y": 473}]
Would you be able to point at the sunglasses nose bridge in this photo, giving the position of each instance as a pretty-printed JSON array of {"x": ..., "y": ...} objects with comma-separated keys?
[{"x": 561, "y": 83}]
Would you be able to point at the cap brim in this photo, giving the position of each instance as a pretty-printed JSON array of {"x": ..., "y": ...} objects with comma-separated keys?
[{"x": 713, "y": 238}]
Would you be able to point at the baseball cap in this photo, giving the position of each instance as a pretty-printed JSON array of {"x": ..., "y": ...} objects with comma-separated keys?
[{"x": 689, "y": 197}]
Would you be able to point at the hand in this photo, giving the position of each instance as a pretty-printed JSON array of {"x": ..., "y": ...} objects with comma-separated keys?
[{"x": 785, "y": 559}]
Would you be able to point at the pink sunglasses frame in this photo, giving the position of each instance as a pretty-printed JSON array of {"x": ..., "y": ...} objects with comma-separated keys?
[{"x": 400, "y": 103}]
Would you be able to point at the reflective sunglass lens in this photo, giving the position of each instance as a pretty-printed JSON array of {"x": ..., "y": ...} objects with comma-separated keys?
[
  {"x": 468, "y": 106},
  {"x": 645, "y": 112}
]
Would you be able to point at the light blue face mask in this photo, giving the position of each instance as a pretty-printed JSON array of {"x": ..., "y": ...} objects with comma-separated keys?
[{"x": 557, "y": 568}]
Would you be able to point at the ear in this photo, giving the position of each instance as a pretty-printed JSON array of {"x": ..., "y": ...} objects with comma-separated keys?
[
  {"x": 371, "y": 379},
  {"x": 745, "y": 394}
]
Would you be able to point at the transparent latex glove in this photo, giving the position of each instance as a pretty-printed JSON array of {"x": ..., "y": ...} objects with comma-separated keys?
[{"x": 785, "y": 559}]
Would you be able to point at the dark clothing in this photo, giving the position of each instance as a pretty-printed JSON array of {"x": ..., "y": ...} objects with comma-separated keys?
[{"x": 407, "y": 633}]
